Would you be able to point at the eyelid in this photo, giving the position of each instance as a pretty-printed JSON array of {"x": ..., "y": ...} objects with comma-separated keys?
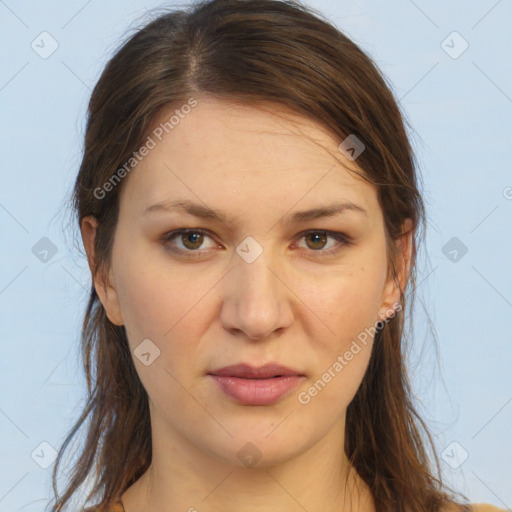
[
  {"x": 171, "y": 235},
  {"x": 342, "y": 238}
]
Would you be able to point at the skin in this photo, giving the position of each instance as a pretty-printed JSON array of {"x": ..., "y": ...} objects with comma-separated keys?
[{"x": 293, "y": 305}]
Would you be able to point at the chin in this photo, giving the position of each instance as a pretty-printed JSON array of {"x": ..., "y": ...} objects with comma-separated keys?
[{"x": 258, "y": 451}]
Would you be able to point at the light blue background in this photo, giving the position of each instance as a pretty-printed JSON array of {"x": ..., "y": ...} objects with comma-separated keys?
[{"x": 461, "y": 113}]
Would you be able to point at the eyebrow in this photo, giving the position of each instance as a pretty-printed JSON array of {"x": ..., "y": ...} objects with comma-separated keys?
[{"x": 204, "y": 212}]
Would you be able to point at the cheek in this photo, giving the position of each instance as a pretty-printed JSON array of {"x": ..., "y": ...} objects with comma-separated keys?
[
  {"x": 154, "y": 296},
  {"x": 349, "y": 308},
  {"x": 347, "y": 303},
  {"x": 146, "y": 305},
  {"x": 166, "y": 306},
  {"x": 335, "y": 387},
  {"x": 158, "y": 306}
]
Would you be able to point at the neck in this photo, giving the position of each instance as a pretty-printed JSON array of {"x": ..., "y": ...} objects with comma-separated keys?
[{"x": 183, "y": 477}]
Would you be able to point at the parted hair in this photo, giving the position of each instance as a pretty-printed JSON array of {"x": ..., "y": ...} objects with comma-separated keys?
[{"x": 249, "y": 51}]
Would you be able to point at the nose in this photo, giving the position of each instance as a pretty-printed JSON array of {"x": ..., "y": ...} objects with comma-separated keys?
[{"x": 257, "y": 301}]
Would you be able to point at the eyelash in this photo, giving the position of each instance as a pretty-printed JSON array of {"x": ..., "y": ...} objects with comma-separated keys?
[{"x": 340, "y": 237}]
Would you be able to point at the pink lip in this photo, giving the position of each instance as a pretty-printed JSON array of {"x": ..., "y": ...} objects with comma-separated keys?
[
  {"x": 256, "y": 386},
  {"x": 257, "y": 391}
]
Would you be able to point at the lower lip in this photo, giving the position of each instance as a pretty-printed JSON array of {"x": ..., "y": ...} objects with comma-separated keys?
[{"x": 257, "y": 391}]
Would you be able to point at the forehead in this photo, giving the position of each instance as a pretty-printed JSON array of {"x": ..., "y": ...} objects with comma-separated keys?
[
  {"x": 267, "y": 135},
  {"x": 260, "y": 156}
]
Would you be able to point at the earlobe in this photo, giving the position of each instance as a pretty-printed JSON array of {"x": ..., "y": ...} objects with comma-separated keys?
[
  {"x": 395, "y": 285},
  {"x": 102, "y": 284}
]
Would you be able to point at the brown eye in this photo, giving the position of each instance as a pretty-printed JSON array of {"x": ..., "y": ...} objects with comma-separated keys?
[
  {"x": 318, "y": 240},
  {"x": 192, "y": 240},
  {"x": 188, "y": 242}
]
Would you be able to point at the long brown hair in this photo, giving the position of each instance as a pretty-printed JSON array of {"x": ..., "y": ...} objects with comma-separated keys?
[{"x": 251, "y": 51}]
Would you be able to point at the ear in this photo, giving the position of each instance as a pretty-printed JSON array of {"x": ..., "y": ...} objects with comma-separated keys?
[
  {"x": 102, "y": 284},
  {"x": 396, "y": 285}
]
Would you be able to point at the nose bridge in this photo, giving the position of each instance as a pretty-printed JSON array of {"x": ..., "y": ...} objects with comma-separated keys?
[
  {"x": 254, "y": 279},
  {"x": 256, "y": 301}
]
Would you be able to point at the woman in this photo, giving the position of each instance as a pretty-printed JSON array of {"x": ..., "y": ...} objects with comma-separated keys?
[{"x": 249, "y": 208}]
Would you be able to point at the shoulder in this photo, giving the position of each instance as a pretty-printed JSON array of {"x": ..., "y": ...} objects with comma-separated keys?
[
  {"x": 116, "y": 506},
  {"x": 473, "y": 507},
  {"x": 485, "y": 507}
]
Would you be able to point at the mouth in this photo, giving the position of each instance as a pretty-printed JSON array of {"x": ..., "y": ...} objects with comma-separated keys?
[{"x": 264, "y": 385}]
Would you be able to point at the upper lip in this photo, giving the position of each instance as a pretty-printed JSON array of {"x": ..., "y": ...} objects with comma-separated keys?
[{"x": 252, "y": 372}]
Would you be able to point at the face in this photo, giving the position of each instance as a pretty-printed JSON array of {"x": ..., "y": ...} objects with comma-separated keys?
[{"x": 259, "y": 285}]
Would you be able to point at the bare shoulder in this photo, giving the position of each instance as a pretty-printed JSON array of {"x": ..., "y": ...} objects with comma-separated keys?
[
  {"x": 475, "y": 507},
  {"x": 485, "y": 507},
  {"x": 116, "y": 506}
]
